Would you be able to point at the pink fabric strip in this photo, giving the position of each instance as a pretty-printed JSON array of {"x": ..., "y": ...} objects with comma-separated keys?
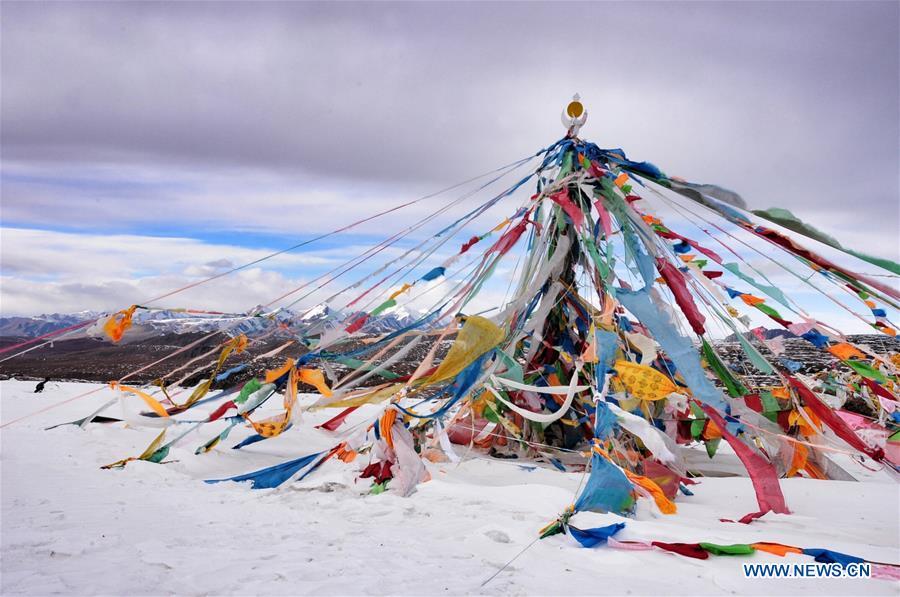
[
  {"x": 605, "y": 220},
  {"x": 628, "y": 545},
  {"x": 572, "y": 210},
  {"x": 885, "y": 572}
]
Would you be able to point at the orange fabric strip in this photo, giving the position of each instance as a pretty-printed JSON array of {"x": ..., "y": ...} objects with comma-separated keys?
[
  {"x": 776, "y": 548},
  {"x": 665, "y": 505},
  {"x": 273, "y": 374},
  {"x": 152, "y": 402}
]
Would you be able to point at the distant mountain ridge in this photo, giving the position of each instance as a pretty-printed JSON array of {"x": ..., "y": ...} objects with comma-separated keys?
[
  {"x": 768, "y": 335},
  {"x": 146, "y": 323},
  {"x": 38, "y": 325}
]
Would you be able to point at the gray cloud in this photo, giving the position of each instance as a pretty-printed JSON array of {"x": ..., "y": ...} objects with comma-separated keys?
[{"x": 790, "y": 104}]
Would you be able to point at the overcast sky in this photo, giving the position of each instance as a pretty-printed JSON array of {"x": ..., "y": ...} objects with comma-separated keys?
[{"x": 145, "y": 144}]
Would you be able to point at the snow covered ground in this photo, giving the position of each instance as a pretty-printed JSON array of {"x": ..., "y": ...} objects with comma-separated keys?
[{"x": 149, "y": 529}]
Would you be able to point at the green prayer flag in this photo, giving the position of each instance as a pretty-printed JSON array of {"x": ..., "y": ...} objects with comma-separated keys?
[
  {"x": 731, "y": 384},
  {"x": 735, "y": 549},
  {"x": 249, "y": 388},
  {"x": 866, "y": 370},
  {"x": 769, "y": 402},
  {"x": 697, "y": 426},
  {"x": 383, "y": 307}
]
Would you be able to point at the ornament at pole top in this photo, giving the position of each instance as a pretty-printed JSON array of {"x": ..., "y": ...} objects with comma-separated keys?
[{"x": 574, "y": 116}]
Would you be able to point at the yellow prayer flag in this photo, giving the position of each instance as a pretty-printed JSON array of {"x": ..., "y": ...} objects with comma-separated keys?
[
  {"x": 644, "y": 382},
  {"x": 477, "y": 336}
]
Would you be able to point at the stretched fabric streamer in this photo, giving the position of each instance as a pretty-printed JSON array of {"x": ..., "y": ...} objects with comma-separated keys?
[
  {"x": 667, "y": 479},
  {"x": 434, "y": 274},
  {"x": 605, "y": 220},
  {"x": 648, "y": 434},
  {"x": 539, "y": 389},
  {"x": 257, "y": 399},
  {"x": 845, "y": 351},
  {"x": 250, "y": 440},
  {"x": 509, "y": 239},
  {"x": 628, "y": 545},
  {"x": 762, "y": 474},
  {"x": 827, "y": 556},
  {"x": 316, "y": 378},
  {"x": 251, "y": 387},
  {"x": 690, "y": 550},
  {"x": 374, "y": 369},
  {"x": 235, "y": 345},
  {"x": 734, "y": 387},
  {"x": 363, "y": 366},
  {"x": 460, "y": 388},
  {"x": 683, "y": 297},
  {"x": 867, "y": 371},
  {"x": 574, "y": 212},
  {"x": 786, "y": 243},
  {"x": 538, "y": 417},
  {"x": 756, "y": 359},
  {"x": 879, "y": 390},
  {"x": 229, "y": 372},
  {"x": 678, "y": 348},
  {"x": 785, "y": 218},
  {"x": 212, "y": 443},
  {"x": 333, "y": 423},
  {"x": 645, "y": 345},
  {"x": 886, "y": 571},
  {"x": 367, "y": 396},
  {"x": 643, "y": 382},
  {"x": 771, "y": 291},
  {"x": 388, "y": 304},
  {"x": 618, "y": 156},
  {"x": 409, "y": 470},
  {"x": 664, "y": 232},
  {"x": 276, "y": 425},
  {"x": 738, "y": 218},
  {"x": 736, "y": 549},
  {"x": 595, "y": 536},
  {"x": 272, "y": 375},
  {"x": 776, "y": 548},
  {"x": 147, "y": 454},
  {"x": 117, "y": 323},
  {"x": 220, "y": 412},
  {"x": 150, "y": 401},
  {"x": 665, "y": 505},
  {"x": 272, "y": 476},
  {"x": 607, "y": 488},
  {"x": 834, "y": 422},
  {"x": 357, "y": 323},
  {"x": 81, "y": 422},
  {"x": 477, "y": 336}
]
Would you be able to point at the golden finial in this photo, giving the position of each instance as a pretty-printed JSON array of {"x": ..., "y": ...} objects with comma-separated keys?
[{"x": 574, "y": 116}]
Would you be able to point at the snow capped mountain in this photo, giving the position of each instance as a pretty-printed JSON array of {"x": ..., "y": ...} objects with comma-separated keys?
[
  {"x": 256, "y": 320},
  {"x": 38, "y": 325},
  {"x": 317, "y": 313}
]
